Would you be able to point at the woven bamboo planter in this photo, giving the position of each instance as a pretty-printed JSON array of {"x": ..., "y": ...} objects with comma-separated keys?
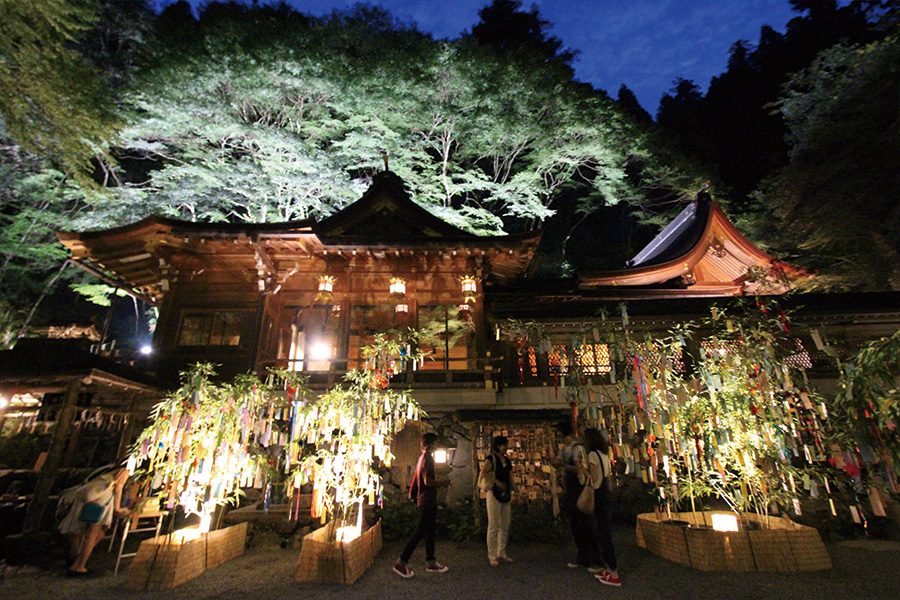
[
  {"x": 164, "y": 562},
  {"x": 326, "y": 561},
  {"x": 782, "y": 546}
]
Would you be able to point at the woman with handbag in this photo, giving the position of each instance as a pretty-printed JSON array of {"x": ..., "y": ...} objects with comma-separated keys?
[
  {"x": 93, "y": 505},
  {"x": 599, "y": 466},
  {"x": 495, "y": 479},
  {"x": 573, "y": 464}
]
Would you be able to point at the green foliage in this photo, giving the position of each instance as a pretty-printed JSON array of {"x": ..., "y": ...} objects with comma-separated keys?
[
  {"x": 345, "y": 434},
  {"x": 294, "y": 127},
  {"x": 204, "y": 436},
  {"x": 869, "y": 400},
  {"x": 835, "y": 204},
  {"x": 34, "y": 200},
  {"x": 719, "y": 409},
  {"x": 51, "y": 101},
  {"x": 98, "y": 293}
]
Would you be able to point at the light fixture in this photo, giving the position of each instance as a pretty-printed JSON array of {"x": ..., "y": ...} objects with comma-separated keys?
[
  {"x": 146, "y": 349},
  {"x": 347, "y": 533},
  {"x": 463, "y": 307},
  {"x": 183, "y": 536},
  {"x": 325, "y": 294},
  {"x": 320, "y": 351},
  {"x": 398, "y": 289},
  {"x": 205, "y": 521},
  {"x": 724, "y": 522},
  {"x": 469, "y": 285},
  {"x": 402, "y": 308},
  {"x": 440, "y": 457}
]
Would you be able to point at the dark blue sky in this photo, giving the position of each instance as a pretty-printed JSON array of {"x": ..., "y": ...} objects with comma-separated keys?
[{"x": 645, "y": 44}]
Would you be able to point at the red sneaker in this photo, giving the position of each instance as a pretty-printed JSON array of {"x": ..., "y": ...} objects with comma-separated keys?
[
  {"x": 436, "y": 568},
  {"x": 403, "y": 571},
  {"x": 609, "y": 579}
]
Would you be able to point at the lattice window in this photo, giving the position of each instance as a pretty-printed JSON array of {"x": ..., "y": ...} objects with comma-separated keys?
[
  {"x": 717, "y": 349},
  {"x": 650, "y": 359},
  {"x": 800, "y": 359},
  {"x": 532, "y": 362},
  {"x": 211, "y": 328},
  {"x": 593, "y": 358},
  {"x": 558, "y": 360}
]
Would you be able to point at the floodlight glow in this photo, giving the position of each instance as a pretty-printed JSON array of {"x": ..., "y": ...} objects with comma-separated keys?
[
  {"x": 347, "y": 534},
  {"x": 320, "y": 351},
  {"x": 147, "y": 350},
  {"x": 724, "y": 522},
  {"x": 440, "y": 457},
  {"x": 182, "y": 536}
]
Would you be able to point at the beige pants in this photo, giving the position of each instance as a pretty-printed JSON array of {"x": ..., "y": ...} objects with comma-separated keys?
[{"x": 498, "y": 526}]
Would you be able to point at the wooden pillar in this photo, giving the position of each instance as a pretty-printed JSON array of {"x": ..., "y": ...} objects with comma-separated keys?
[
  {"x": 127, "y": 432},
  {"x": 34, "y": 516},
  {"x": 72, "y": 445}
]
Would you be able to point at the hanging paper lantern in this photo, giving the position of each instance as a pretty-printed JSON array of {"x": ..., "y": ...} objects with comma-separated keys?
[
  {"x": 398, "y": 289},
  {"x": 325, "y": 293},
  {"x": 469, "y": 286}
]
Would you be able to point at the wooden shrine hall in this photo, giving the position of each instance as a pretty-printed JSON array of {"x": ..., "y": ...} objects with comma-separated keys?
[{"x": 307, "y": 295}]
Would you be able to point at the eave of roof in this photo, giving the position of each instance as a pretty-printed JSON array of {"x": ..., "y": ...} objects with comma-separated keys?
[{"x": 717, "y": 236}]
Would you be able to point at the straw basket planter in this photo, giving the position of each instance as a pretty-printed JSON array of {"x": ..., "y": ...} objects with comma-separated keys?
[
  {"x": 165, "y": 562},
  {"x": 323, "y": 560},
  {"x": 782, "y": 546}
]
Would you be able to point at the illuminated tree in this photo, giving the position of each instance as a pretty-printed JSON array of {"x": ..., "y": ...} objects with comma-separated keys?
[
  {"x": 713, "y": 410},
  {"x": 208, "y": 440},
  {"x": 51, "y": 101}
]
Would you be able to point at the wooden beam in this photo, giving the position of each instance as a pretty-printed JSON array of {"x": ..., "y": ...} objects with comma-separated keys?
[
  {"x": 34, "y": 514},
  {"x": 263, "y": 257},
  {"x": 113, "y": 282}
]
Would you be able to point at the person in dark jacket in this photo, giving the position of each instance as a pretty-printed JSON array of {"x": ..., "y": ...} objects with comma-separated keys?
[{"x": 426, "y": 501}]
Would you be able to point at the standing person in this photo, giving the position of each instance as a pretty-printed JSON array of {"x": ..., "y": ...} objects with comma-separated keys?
[
  {"x": 95, "y": 503},
  {"x": 496, "y": 471},
  {"x": 572, "y": 461},
  {"x": 426, "y": 500},
  {"x": 599, "y": 465}
]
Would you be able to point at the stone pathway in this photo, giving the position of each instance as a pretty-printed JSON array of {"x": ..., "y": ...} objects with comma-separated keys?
[{"x": 863, "y": 569}]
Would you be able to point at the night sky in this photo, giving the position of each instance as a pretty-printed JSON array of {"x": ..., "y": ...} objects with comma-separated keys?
[{"x": 645, "y": 44}]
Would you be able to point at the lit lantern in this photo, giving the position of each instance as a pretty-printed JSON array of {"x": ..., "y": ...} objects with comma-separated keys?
[
  {"x": 325, "y": 294},
  {"x": 469, "y": 287},
  {"x": 398, "y": 289},
  {"x": 402, "y": 308},
  {"x": 724, "y": 522},
  {"x": 463, "y": 307}
]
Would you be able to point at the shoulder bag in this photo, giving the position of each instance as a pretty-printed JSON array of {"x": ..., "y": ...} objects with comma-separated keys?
[{"x": 585, "y": 502}]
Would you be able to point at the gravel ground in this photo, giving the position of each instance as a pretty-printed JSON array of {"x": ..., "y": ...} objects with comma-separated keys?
[{"x": 863, "y": 569}]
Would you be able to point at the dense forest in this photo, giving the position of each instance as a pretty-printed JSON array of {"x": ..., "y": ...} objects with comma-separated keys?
[{"x": 110, "y": 112}]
